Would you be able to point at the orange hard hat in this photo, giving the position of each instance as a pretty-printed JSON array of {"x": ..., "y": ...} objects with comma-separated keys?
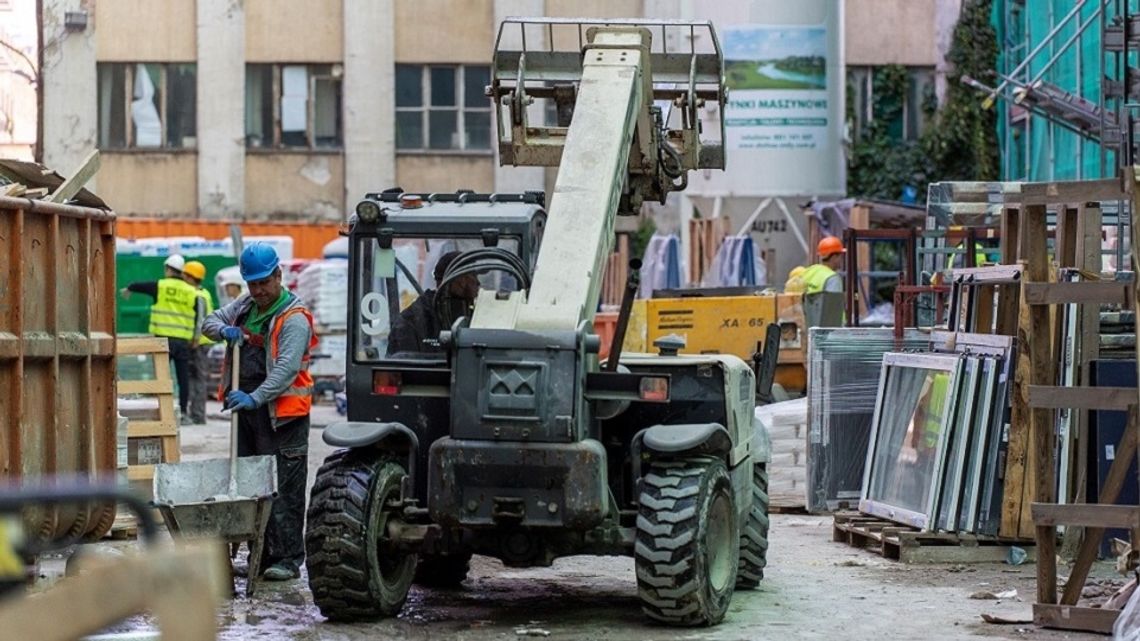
[
  {"x": 195, "y": 270},
  {"x": 830, "y": 245}
]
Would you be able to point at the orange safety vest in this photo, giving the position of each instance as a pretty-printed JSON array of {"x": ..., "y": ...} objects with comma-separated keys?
[{"x": 297, "y": 399}]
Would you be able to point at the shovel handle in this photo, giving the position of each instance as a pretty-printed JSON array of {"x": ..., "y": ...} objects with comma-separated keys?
[{"x": 235, "y": 368}]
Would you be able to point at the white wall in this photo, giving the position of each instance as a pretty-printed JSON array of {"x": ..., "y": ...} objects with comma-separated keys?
[
  {"x": 221, "y": 108},
  {"x": 69, "y": 89},
  {"x": 369, "y": 100}
]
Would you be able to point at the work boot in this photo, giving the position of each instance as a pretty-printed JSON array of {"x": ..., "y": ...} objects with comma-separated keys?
[
  {"x": 185, "y": 420},
  {"x": 281, "y": 571}
]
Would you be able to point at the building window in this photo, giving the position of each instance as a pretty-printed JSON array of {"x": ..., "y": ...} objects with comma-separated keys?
[
  {"x": 147, "y": 105},
  {"x": 293, "y": 106},
  {"x": 442, "y": 108},
  {"x": 903, "y": 117}
]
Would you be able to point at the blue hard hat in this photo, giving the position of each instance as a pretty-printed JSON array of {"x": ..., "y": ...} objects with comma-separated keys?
[{"x": 258, "y": 260}]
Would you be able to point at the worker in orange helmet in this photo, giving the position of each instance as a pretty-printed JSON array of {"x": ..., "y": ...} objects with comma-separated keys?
[{"x": 822, "y": 276}]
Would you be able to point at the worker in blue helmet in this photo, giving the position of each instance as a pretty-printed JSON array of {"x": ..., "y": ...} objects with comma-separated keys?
[{"x": 273, "y": 394}]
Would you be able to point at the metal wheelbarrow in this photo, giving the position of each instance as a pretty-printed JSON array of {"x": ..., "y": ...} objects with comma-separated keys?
[{"x": 225, "y": 499}]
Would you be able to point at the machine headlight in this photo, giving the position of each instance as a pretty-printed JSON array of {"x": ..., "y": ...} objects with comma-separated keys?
[{"x": 368, "y": 211}]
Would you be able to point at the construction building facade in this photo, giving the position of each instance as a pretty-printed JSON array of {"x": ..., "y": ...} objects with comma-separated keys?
[{"x": 292, "y": 109}]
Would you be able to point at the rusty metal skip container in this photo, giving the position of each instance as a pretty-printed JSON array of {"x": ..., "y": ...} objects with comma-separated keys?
[{"x": 57, "y": 355}]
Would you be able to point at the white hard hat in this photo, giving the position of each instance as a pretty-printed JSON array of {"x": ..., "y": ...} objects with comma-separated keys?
[{"x": 175, "y": 262}]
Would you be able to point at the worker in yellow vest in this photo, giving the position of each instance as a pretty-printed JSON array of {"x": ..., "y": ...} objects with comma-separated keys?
[
  {"x": 822, "y": 276},
  {"x": 194, "y": 273},
  {"x": 173, "y": 316}
]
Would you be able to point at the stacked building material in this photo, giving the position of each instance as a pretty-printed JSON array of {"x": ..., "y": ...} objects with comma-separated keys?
[
  {"x": 844, "y": 365},
  {"x": 786, "y": 424},
  {"x": 323, "y": 286}
]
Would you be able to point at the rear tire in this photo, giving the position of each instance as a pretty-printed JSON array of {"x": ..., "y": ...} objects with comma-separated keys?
[
  {"x": 352, "y": 575},
  {"x": 754, "y": 536},
  {"x": 688, "y": 541},
  {"x": 442, "y": 571}
]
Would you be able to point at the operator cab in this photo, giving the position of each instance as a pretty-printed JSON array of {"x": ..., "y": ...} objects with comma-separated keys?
[{"x": 397, "y": 240}]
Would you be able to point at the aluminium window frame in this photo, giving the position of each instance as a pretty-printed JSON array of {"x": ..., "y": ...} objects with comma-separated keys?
[
  {"x": 277, "y": 87},
  {"x": 959, "y": 447},
  {"x": 425, "y": 109},
  {"x": 982, "y": 426},
  {"x": 928, "y": 361},
  {"x": 127, "y": 91}
]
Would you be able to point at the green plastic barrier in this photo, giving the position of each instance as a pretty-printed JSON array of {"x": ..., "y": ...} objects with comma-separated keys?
[{"x": 133, "y": 316}]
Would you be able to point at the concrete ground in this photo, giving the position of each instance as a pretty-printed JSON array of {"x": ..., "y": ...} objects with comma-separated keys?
[{"x": 814, "y": 589}]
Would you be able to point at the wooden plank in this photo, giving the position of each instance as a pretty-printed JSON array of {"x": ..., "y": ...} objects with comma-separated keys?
[
  {"x": 1065, "y": 617},
  {"x": 142, "y": 345},
  {"x": 71, "y": 186},
  {"x": 138, "y": 429},
  {"x": 171, "y": 452},
  {"x": 1090, "y": 398},
  {"x": 1039, "y": 484},
  {"x": 1069, "y": 192},
  {"x": 1010, "y": 235},
  {"x": 958, "y": 554},
  {"x": 140, "y": 472},
  {"x": 1046, "y": 563},
  {"x": 146, "y": 387},
  {"x": 1087, "y": 292},
  {"x": 1125, "y": 454},
  {"x": 1091, "y": 515}
]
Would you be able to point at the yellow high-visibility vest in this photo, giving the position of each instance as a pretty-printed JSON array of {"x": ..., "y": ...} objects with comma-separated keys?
[
  {"x": 205, "y": 295},
  {"x": 172, "y": 314},
  {"x": 815, "y": 278}
]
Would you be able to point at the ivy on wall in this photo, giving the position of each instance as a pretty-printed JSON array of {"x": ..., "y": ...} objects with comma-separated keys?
[{"x": 960, "y": 141}]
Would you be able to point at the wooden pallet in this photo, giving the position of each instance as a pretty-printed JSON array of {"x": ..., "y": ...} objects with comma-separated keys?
[
  {"x": 911, "y": 545},
  {"x": 165, "y": 426}
]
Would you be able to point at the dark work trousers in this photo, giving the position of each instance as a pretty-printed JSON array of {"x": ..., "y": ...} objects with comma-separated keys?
[
  {"x": 180, "y": 355},
  {"x": 199, "y": 375},
  {"x": 289, "y": 443}
]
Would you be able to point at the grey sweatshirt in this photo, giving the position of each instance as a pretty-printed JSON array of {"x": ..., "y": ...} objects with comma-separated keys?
[{"x": 294, "y": 340}]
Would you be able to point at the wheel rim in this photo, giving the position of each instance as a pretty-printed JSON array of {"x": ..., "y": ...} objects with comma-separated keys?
[
  {"x": 718, "y": 543},
  {"x": 389, "y": 562}
]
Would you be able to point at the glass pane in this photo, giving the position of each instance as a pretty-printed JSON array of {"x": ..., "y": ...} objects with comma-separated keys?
[
  {"x": 409, "y": 86},
  {"x": 145, "y": 105},
  {"x": 920, "y": 100},
  {"x": 295, "y": 106},
  {"x": 443, "y": 130},
  {"x": 477, "y": 129},
  {"x": 326, "y": 114},
  {"x": 908, "y": 442},
  {"x": 112, "y": 106},
  {"x": 409, "y": 130},
  {"x": 443, "y": 86},
  {"x": 259, "y": 106},
  {"x": 394, "y": 319},
  {"x": 181, "y": 101},
  {"x": 475, "y": 81}
]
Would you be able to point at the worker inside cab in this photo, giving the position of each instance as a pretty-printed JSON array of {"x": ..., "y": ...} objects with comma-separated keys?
[
  {"x": 417, "y": 328},
  {"x": 823, "y": 276}
]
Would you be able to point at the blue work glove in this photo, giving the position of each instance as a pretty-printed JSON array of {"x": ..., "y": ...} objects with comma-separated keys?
[
  {"x": 239, "y": 400},
  {"x": 231, "y": 334}
]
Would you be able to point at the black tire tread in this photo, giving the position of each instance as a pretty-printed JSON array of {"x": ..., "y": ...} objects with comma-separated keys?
[
  {"x": 668, "y": 522},
  {"x": 335, "y": 539},
  {"x": 754, "y": 534}
]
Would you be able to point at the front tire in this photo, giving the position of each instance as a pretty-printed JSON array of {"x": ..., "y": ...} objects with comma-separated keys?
[
  {"x": 688, "y": 541},
  {"x": 353, "y": 575},
  {"x": 754, "y": 536}
]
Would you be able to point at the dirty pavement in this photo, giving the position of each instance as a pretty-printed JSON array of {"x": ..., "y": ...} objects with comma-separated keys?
[{"x": 814, "y": 589}]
